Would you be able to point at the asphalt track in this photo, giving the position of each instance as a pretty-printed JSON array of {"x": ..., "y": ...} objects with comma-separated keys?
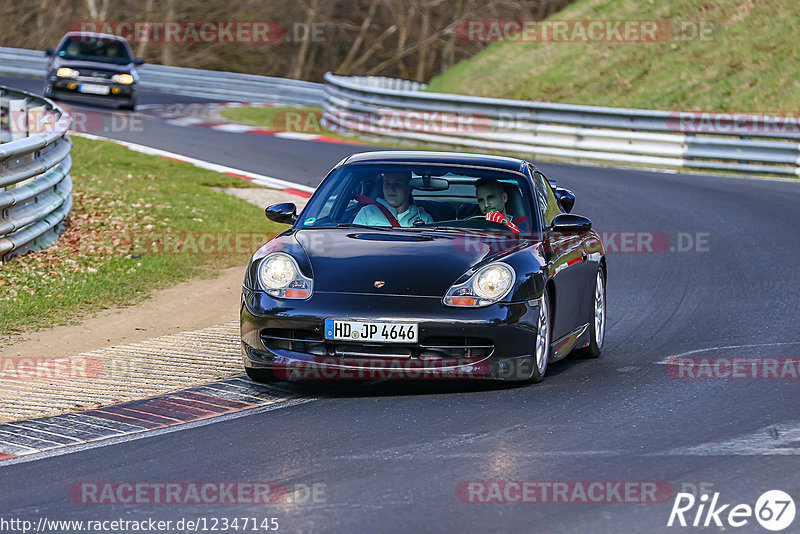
[{"x": 391, "y": 455}]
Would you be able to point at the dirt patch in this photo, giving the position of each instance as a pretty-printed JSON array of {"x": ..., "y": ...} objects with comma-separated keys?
[{"x": 741, "y": 14}]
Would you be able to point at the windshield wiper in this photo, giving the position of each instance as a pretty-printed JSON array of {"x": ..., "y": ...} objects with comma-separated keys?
[
  {"x": 365, "y": 226},
  {"x": 460, "y": 229}
]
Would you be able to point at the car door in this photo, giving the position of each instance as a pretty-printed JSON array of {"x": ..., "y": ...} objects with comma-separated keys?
[{"x": 566, "y": 262}]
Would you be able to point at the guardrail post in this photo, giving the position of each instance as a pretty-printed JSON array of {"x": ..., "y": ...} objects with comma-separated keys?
[
  {"x": 18, "y": 119},
  {"x": 36, "y": 119},
  {"x": 17, "y": 126}
]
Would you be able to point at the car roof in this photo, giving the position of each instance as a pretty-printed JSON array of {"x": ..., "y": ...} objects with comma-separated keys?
[
  {"x": 422, "y": 156},
  {"x": 95, "y": 34}
]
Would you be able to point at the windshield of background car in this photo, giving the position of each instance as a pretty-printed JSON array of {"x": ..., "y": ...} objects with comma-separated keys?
[
  {"x": 440, "y": 196},
  {"x": 95, "y": 49}
]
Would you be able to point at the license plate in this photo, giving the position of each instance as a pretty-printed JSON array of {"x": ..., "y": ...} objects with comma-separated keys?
[
  {"x": 94, "y": 89},
  {"x": 371, "y": 331}
]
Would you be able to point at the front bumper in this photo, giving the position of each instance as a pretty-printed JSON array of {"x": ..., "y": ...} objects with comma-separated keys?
[
  {"x": 287, "y": 336},
  {"x": 70, "y": 86}
]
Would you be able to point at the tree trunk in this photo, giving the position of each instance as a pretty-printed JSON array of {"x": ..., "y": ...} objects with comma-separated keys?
[
  {"x": 422, "y": 57},
  {"x": 344, "y": 67},
  {"x": 300, "y": 59},
  {"x": 166, "y": 49}
]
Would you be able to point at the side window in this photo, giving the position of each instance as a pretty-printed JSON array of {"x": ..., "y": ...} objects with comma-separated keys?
[
  {"x": 546, "y": 198},
  {"x": 541, "y": 192}
]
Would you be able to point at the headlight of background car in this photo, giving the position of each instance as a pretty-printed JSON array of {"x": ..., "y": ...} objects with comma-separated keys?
[
  {"x": 488, "y": 285},
  {"x": 66, "y": 72},
  {"x": 280, "y": 277},
  {"x": 124, "y": 79}
]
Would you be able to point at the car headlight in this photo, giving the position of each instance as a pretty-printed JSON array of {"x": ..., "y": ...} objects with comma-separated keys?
[
  {"x": 66, "y": 72},
  {"x": 280, "y": 277},
  {"x": 486, "y": 286},
  {"x": 124, "y": 79}
]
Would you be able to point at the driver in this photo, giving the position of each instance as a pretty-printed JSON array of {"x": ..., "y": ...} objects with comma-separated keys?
[
  {"x": 397, "y": 207},
  {"x": 492, "y": 198}
]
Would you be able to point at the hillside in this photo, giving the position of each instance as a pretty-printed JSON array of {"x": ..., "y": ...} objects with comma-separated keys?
[{"x": 747, "y": 59}]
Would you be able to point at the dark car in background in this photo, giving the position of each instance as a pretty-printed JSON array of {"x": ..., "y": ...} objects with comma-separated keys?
[
  {"x": 95, "y": 67},
  {"x": 346, "y": 293}
]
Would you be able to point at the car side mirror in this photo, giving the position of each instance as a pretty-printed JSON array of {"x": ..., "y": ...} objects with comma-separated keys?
[
  {"x": 283, "y": 213},
  {"x": 567, "y": 222},
  {"x": 566, "y": 198},
  {"x": 138, "y": 61},
  {"x": 50, "y": 52}
]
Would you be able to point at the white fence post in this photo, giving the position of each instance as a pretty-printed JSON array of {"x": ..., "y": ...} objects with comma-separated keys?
[{"x": 18, "y": 119}]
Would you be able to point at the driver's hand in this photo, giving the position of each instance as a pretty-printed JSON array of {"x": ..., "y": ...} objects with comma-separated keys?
[{"x": 496, "y": 216}]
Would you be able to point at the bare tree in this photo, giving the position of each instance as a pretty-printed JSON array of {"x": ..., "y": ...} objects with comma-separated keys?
[{"x": 96, "y": 13}]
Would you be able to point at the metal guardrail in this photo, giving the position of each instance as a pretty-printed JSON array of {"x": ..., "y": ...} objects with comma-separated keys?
[
  {"x": 194, "y": 82},
  {"x": 385, "y": 107},
  {"x": 35, "y": 163}
]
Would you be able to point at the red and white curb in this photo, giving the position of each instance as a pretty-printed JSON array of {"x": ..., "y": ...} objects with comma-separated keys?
[
  {"x": 196, "y": 406},
  {"x": 259, "y": 179}
]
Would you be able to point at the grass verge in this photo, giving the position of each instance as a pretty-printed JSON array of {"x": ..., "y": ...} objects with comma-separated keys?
[{"x": 138, "y": 223}]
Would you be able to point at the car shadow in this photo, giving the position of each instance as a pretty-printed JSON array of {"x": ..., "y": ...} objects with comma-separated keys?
[{"x": 351, "y": 388}]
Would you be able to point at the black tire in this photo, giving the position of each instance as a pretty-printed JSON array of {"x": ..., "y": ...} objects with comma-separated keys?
[
  {"x": 47, "y": 92},
  {"x": 261, "y": 375},
  {"x": 596, "y": 333}
]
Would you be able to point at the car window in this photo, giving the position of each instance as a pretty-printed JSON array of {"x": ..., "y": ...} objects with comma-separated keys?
[
  {"x": 546, "y": 198},
  {"x": 94, "y": 49},
  {"x": 437, "y": 195}
]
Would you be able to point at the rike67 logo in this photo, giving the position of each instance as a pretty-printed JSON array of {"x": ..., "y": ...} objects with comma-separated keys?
[{"x": 774, "y": 510}]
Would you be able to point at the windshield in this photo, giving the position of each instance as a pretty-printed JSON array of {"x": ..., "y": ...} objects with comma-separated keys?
[
  {"x": 422, "y": 196},
  {"x": 95, "y": 49}
]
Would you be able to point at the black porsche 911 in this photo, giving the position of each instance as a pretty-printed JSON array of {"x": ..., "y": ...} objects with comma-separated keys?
[{"x": 425, "y": 265}]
